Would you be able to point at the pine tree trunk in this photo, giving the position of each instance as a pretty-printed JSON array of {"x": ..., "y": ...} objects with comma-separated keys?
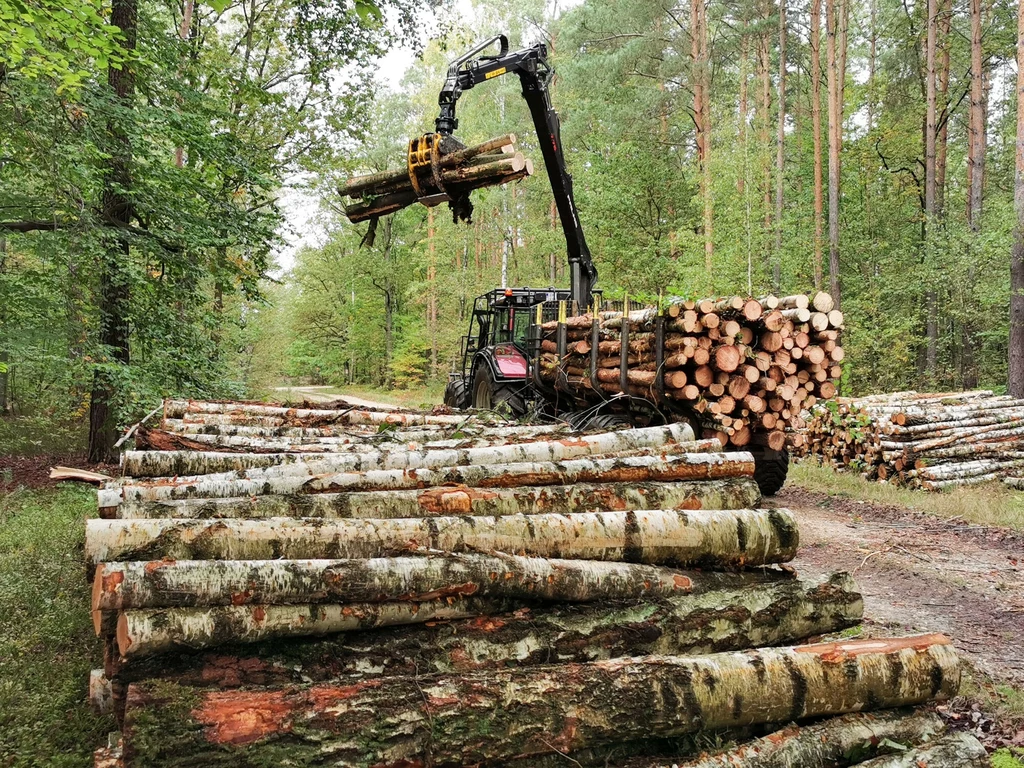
[
  {"x": 730, "y": 493},
  {"x": 819, "y": 195},
  {"x": 719, "y": 620},
  {"x": 495, "y": 715},
  {"x": 840, "y": 741},
  {"x": 836, "y": 18},
  {"x": 976, "y": 133},
  {"x": 1015, "y": 383},
  {"x": 204, "y": 583},
  {"x": 780, "y": 152},
  {"x": 693, "y": 466},
  {"x": 718, "y": 538}
]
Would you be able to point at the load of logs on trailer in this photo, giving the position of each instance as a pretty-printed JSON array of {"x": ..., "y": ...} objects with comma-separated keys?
[
  {"x": 747, "y": 366},
  {"x": 282, "y": 586},
  {"x": 922, "y": 440},
  {"x": 443, "y": 170}
]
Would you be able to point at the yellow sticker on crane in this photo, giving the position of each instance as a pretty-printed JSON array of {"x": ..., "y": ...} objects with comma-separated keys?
[{"x": 495, "y": 73}]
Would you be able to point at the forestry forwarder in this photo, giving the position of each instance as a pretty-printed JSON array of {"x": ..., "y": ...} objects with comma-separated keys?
[{"x": 501, "y": 351}]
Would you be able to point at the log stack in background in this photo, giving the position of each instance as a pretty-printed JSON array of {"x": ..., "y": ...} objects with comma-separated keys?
[
  {"x": 922, "y": 440},
  {"x": 365, "y": 616},
  {"x": 747, "y": 366},
  {"x": 459, "y": 171}
]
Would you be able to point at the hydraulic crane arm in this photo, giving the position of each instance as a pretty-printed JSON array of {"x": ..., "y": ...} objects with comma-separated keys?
[{"x": 531, "y": 65}]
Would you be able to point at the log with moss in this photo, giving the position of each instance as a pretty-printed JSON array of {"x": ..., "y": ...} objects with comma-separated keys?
[
  {"x": 774, "y": 610},
  {"x": 685, "y": 466},
  {"x": 957, "y": 750},
  {"x": 729, "y": 493},
  {"x": 475, "y": 717},
  {"x": 834, "y": 743},
  {"x": 706, "y": 538}
]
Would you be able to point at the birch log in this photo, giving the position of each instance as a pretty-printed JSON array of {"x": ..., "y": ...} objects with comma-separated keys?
[
  {"x": 730, "y": 493},
  {"x": 834, "y": 743},
  {"x": 159, "y": 584},
  {"x": 254, "y": 466},
  {"x": 719, "y": 620},
  {"x": 322, "y": 418},
  {"x": 687, "y": 466},
  {"x": 176, "y": 409},
  {"x": 957, "y": 750},
  {"x": 474, "y": 717},
  {"x": 720, "y": 538}
]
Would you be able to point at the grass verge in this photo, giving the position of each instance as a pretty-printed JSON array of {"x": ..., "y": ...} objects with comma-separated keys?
[
  {"x": 47, "y": 645},
  {"x": 989, "y": 504}
]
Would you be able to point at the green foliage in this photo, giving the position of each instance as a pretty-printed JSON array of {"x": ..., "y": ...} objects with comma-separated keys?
[
  {"x": 1005, "y": 758},
  {"x": 56, "y": 40},
  {"x": 47, "y": 644}
]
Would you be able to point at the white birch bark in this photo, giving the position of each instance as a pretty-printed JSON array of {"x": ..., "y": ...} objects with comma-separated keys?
[
  {"x": 687, "y": 466},
  {"x": 729, "y": 493},
  {"x": 707, "y": 538}
]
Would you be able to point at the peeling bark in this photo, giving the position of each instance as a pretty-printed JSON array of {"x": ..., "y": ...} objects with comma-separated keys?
[
  {"x": 687, "y": 466},
  {"x": 191, "y": 583},
  {"x": 958, "y": 750},
  {"x": 841, "y": 741},
  {"x": 768, "y": 613},
  {"x": 658, "y": 537},
  {"x": 730, "y": 493},
  {"x": 474, "y": 717},
  {"x": 164, "y": 464}
]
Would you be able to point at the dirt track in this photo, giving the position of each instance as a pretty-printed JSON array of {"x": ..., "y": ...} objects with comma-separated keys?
[{"x": 920, "y": 573}]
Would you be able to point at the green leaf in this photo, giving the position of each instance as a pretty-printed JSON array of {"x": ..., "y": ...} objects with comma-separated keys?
[{"x": 368, "y": 11}]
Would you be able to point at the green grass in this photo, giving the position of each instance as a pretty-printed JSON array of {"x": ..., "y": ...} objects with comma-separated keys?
[
  {"x": 986, "y": 504},
  {"x": 47, "y": 645},
  {"x": 419, "y": 397}
]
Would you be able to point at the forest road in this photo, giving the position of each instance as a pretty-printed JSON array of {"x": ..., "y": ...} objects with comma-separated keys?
[
  {"x": 319, "y": 395},
  {"x": 919, "y": 572}
]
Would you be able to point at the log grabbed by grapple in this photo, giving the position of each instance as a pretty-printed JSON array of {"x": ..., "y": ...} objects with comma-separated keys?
[{"x": 438, "y": 169}]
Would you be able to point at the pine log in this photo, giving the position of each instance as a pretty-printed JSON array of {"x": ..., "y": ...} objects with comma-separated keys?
[
  {"x": 494, "y": 715},
  {"x": 203, "y": 583},
  {"x": 729, "y": 493},
  {"x": 719, "y": 620},
  {"x": 687, "y": 466},
  {"x": 839, "y": 741},
  {"x": 957, "y": 750},
  {"x": 660, "y": 537}
]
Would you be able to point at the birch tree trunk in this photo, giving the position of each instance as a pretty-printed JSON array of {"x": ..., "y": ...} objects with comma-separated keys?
[
  {"x": 495, "y": 715},
  {"x": 690, "y": 466},
  {"x": 730, "y": 493},
  {"x": 715, "y": 621},
  {"x": 201, "y": 583},
  {"x": 837, "y": 742},
  {"x": 709, "y": 538}
]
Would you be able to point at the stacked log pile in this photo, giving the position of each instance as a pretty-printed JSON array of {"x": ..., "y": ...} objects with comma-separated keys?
[
  {"x": 361, "y": 616},
  {"x": 747, "y": 367},
  {"x": 453, "y": 173},
  {"x": 922, "y": 440}
]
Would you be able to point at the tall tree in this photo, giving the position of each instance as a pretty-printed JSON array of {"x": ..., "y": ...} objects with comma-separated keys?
[
  {"x": 701, "y": 77},
  {"x": 976, "y": 133},
  {"x": 1016, "y": 370},
  {"x": 819, "y": 195},
  {"x": 780, "y": 151},
  {"x": 116, "y": 212},
  {"x": 837, "y": 17}
]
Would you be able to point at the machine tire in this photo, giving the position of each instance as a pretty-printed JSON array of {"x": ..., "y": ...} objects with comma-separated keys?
[
  {"x": 770, "y": 471},
  {"x": 489, "y": 395},
  {"x": 601, "y": 421},
  {"x": 456, "y": 394}
]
